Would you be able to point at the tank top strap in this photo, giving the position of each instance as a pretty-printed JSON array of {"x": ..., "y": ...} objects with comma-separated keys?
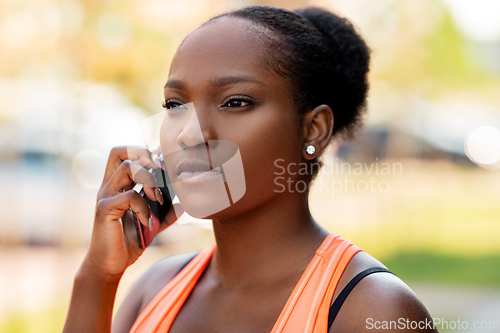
[
  {"x": 307, "y": 307},
  {"x": 160, "y": 313}
]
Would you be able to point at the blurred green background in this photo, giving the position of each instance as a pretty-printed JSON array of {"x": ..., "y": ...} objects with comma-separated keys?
[{"x": 76, "y": 75}]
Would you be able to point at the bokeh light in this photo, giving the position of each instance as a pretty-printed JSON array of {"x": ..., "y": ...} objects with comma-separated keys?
[
  {"x": 482, "y": 146},
  {"x": 88, "y": 167}
]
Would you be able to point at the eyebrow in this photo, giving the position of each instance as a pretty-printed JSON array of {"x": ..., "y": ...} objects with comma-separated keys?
[{"x": 216, "y": 83}]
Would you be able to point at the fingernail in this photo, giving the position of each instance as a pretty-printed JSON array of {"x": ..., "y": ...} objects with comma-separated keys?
[
  {"x": 150, "y": 223},
  {"x": 156, "y": 160},
  {"x": 162, "y": 162},
  {"x": 159, "y": 195}
]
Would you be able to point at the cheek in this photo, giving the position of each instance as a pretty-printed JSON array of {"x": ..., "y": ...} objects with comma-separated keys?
[
  {"x": 169, "y": 148},
  {"x": 266, "y": 144},
  {"x": 271, "y": 141},
  {"x": 276, "y": 137},
  {"x": 168, "y": 137}
]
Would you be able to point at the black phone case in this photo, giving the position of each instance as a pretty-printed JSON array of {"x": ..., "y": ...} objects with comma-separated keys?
[
  {"x": 144, "y": 234},
  {"x": 160, "y": 211}
]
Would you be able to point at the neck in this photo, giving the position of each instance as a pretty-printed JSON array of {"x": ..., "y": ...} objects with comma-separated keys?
[{"x": 273, "y": 241}]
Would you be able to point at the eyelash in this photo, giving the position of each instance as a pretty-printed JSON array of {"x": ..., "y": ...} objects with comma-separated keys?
[
  {"x": 243, "y": 99},
  {"x": 168, "y": 104}
]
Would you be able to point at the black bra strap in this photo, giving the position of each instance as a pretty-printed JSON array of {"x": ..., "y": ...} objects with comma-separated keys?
[{"x": 334, "y": 309}]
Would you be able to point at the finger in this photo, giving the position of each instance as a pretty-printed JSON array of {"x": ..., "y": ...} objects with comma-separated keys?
[
  {"x": 129, "y": 187},
  {"x": 173, "y": 215},
  {"x": 122, "y": 153},
  {"x": 156, "y": 151},
  {"x": 126, "y": 176},
  {"x": 114, "y": 207}
]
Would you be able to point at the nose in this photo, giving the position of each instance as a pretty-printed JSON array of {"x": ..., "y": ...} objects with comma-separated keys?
[{"x": 195, "y": 130}]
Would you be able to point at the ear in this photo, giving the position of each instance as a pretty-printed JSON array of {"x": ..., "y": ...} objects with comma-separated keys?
[{"x": 318, "y": 129}]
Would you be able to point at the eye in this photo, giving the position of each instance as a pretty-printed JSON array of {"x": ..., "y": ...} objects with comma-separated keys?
[
  {"x": 171, "y": 104},
  {"x": 237, "y": 102}
]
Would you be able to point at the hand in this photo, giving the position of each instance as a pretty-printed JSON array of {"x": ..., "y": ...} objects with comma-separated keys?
[{"x": 114, "y": 245}]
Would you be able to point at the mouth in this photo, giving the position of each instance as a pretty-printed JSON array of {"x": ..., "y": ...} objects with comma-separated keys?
[{"x": 191, "y": 170}]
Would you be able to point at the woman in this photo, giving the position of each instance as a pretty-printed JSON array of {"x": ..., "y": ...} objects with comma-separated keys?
[{"x": 280, "y": 85}]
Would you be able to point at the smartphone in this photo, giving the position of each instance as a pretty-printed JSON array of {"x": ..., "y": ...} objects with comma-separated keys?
[{"x": 145, "y": 235}]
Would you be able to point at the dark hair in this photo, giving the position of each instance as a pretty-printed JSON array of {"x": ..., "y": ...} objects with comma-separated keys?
[{"x": 323, "y": 55}]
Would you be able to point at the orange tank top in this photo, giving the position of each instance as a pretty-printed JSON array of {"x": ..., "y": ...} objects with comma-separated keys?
[{"x": 306, "y": 310}]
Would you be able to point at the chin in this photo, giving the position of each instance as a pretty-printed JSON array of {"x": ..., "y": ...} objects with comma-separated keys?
[
  {"x": 203, "y": 203},
  {"x": 208, "y": 198}
]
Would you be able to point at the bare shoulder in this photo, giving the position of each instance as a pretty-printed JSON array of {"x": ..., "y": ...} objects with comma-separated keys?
[
  {"x": 379, "y": 301},
  {"x": 146, "y": 287},
  {"x": 160, "y": 274}
]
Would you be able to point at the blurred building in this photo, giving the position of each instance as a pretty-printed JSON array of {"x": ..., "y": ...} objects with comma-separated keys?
[
  {"x": 53, "y": 156},
  {"x": 426, "y": 130}
]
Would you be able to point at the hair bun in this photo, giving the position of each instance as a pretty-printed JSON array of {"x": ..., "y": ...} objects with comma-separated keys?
[
  {"x": 340, "y": 35},
  {"x": 350, "y": 54}
]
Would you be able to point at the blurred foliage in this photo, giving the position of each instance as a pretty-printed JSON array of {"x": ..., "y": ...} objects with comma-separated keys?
[
  {"x": 439, "y": 207},
  {"x": 129, "y": 43},
  {"x": 446, "y": 269},
  {"x": 47, "y": 321},
  {"x": 430, "y": 58}
]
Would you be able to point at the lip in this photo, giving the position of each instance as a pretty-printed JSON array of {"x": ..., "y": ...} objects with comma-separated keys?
[
  {"x": 198, "y": 176},
  {"x": 194, "y": 171}
]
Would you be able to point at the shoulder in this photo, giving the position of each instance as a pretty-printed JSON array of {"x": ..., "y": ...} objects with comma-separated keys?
[
  {"x": 146, "y": 287},
  {"x": 156, "y": 277},
  {"x": 379, "y": 301}
]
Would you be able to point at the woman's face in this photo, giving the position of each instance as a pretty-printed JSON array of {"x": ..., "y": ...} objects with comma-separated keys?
[{"x": 238, "y": 104}]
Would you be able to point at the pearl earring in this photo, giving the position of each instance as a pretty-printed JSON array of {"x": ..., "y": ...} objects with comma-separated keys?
[{"x": 310, "y": 149}]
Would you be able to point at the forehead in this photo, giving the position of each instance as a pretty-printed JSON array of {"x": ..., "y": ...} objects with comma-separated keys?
[{"x": 226, "y": 46}]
